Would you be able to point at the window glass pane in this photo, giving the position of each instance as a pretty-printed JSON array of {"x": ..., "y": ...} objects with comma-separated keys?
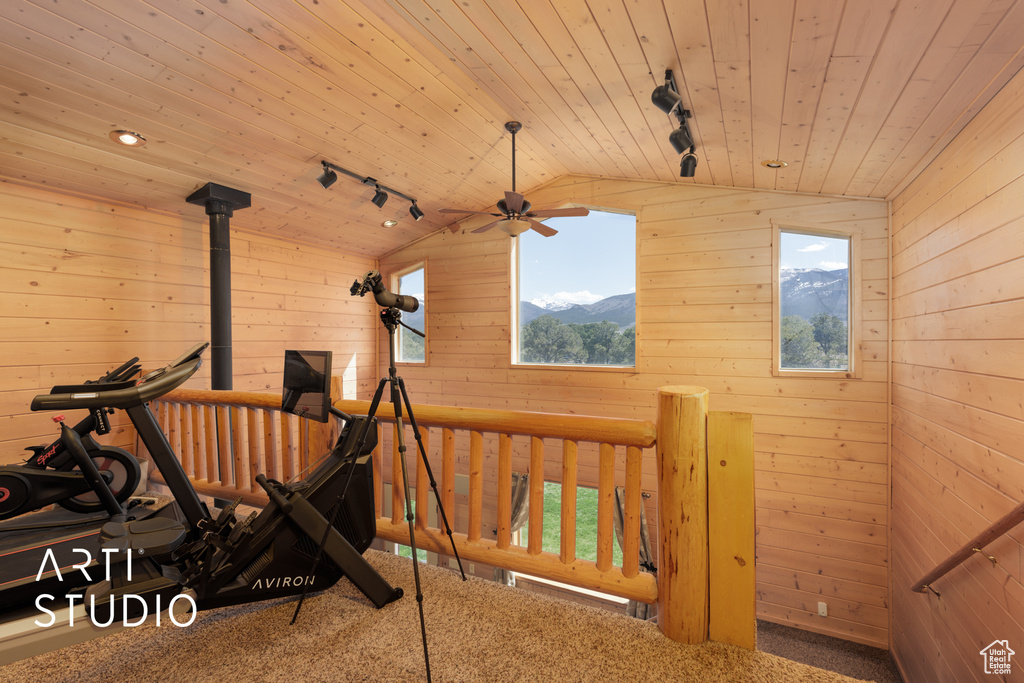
[
  {"x": 411, "y": 347},
  {"x": 577, "y": 292},
  {"x": 814, "y": 301}
]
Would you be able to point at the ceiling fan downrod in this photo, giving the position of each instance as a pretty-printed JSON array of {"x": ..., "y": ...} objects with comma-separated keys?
[{"x": 513, "y": 127}]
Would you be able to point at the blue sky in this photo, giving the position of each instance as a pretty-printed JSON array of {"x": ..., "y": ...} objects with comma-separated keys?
[
  {"x": 814, "y": 251},
  {"x": 590, "y": 259}
]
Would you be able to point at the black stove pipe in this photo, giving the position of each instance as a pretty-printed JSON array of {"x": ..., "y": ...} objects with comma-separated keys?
[{"x": 220, "y": 203}]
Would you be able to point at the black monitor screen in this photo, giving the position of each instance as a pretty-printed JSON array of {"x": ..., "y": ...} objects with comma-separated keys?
[{"x": 307, "y": 384}]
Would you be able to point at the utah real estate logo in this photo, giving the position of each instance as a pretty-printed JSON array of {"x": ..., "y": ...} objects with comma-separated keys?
[{"x": 997, "y": 657}]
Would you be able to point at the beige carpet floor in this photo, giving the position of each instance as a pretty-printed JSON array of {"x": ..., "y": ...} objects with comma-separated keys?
[{"x": 477, "y": 631}]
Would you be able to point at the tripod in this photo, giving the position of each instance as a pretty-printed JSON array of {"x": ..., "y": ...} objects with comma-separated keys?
[{"x": 391, "y": 317}]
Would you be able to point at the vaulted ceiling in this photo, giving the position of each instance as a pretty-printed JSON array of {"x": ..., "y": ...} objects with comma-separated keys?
[{"x": 856, "y": 96}]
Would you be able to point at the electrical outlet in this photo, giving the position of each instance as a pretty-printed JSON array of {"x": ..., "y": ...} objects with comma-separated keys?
[{"x": 822, "y": 609}]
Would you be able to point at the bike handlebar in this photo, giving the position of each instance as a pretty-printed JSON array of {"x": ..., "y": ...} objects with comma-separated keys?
[{"x": 152, "y": 386}]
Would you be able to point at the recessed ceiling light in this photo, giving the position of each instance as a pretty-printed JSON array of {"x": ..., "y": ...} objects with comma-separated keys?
[
  {"x": 127, "y": 138},
  {"x": 389, "y": 224},
  {"x": 774, "y": 163}
]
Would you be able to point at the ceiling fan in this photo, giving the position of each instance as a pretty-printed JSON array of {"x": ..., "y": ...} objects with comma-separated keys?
[{"x": 515, "y": 216}]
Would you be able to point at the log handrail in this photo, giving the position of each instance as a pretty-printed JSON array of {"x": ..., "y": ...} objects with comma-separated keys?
[
  {"x": 624, "y": 431},
  {"x": 990, "y": 534}
]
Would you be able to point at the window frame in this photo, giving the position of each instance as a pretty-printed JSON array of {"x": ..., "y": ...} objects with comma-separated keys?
[
  {"x": 855, "y": 366},
  {"x": 394, "y": 287},
  {"x": 514, "y": 277}
]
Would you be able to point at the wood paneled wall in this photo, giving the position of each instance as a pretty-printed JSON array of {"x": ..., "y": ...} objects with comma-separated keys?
[
  {"x": 704, "y": 297},
  {"x": 86, "y": 285},
  {"x": 958, "y": 379}
]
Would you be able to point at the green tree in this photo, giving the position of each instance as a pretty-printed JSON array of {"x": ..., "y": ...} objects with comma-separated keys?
[
  {"x": 623, "y": 350},
  {"x": 546, "y": 340},
  {"x": 799, "y": 348},
  {"x": 830, "y": 333},
  {"x": 597, "y": 339}
]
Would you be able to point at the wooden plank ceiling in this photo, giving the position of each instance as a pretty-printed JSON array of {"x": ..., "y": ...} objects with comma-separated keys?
[{"x": 856, "y": 96}]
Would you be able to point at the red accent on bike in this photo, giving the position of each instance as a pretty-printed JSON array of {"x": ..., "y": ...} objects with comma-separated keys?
[
  {"x": 57, "y": 419},
  {"x": 4, "y": 494}
]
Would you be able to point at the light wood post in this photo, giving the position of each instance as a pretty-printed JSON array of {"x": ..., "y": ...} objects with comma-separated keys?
[
  {"x": 683, "y": 513},
  {"x": 731, "y": 529}
]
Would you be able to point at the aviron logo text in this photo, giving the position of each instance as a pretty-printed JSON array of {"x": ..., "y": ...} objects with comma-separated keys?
[{"x": 282, "y": 582}]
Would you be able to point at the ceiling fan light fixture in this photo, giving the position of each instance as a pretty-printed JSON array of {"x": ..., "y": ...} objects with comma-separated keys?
[
  {"x": 513, "y": 227},
  {"x": 379, "y": 197}
]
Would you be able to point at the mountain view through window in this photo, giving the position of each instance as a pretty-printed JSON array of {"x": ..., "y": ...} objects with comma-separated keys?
[
  {"x": 814, "y": 301},
  {"x": 577, "y": 292}
]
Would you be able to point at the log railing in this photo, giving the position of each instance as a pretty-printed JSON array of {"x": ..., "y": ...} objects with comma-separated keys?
[{"x": 225, "y": 438}]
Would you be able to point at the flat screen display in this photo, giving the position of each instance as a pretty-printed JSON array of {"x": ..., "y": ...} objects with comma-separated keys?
[{"x": 307, "y": 384}]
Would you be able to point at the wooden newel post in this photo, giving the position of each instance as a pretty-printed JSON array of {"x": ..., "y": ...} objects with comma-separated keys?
[{"x": 683, "y": 601}]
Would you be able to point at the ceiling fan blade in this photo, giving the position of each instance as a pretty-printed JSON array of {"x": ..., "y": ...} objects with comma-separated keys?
[
  {"x": 514, "y": 202},
  {"x": 559, "y": 213},
  {"x": 541, "y": 228},
  {"x": 488, "y": 226}
]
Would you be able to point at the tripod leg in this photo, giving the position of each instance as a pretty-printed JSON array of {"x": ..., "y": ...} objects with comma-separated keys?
[
  {"x": 430, "y": 474},
  {"x": 410, "y": 517}
]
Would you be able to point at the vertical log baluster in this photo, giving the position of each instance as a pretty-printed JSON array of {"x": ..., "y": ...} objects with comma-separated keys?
[
  {"x": 568, "y": 537},
  {"x": 605, "y": 505},
  {"x": 397, "y": 488},
  {"x": 504, "y": 491},
  {"x": 536, "y": 541},
  {"x": 210, "y": 445},
  {"x": 476, "y": 484},
  {"x": 378, "y": 471},
  {"x": 227, "y": 472},
  {"x": 243, "y": 477},
  {"x": 422, "y": 480},
  {"x": 271, "y": 451},
  {"x": 631, "y": 518},
  {"x": 254, "y": 454},
  {"x": 448, "y": 473}
]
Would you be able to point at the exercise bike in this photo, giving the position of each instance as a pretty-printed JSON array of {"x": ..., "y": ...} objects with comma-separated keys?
[
  {"x": 53, "y": 474},
  {"x": 309, "y": 535}
]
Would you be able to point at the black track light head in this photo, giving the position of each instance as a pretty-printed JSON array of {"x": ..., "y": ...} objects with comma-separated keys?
[
  {"x": 379, "y": 198},
  {"x": 415, "y": 211},
  {"x": 681, "y": 139},
  {"x": 327, "y": 178},
  {"x": 688, "y": 165}
]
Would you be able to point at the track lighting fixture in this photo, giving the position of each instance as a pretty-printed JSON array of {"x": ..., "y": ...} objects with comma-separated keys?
[
  {"x": 380, "y": 195},
  {"x": 328, "y": 177},
  {"x": 666, "y": 98},
  {"x": 688, "y": 164},
  {"x": 680, "y": 139}
]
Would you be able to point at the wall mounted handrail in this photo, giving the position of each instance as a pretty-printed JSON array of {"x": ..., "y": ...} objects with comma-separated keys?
[{"x": 990, "y": 534}]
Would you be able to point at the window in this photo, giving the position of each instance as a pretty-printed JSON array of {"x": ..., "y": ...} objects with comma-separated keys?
[
  {"x": 411, "y": 346},
  {"x": 575, "y": 298},
  {"x": 815, "y": 316}
]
